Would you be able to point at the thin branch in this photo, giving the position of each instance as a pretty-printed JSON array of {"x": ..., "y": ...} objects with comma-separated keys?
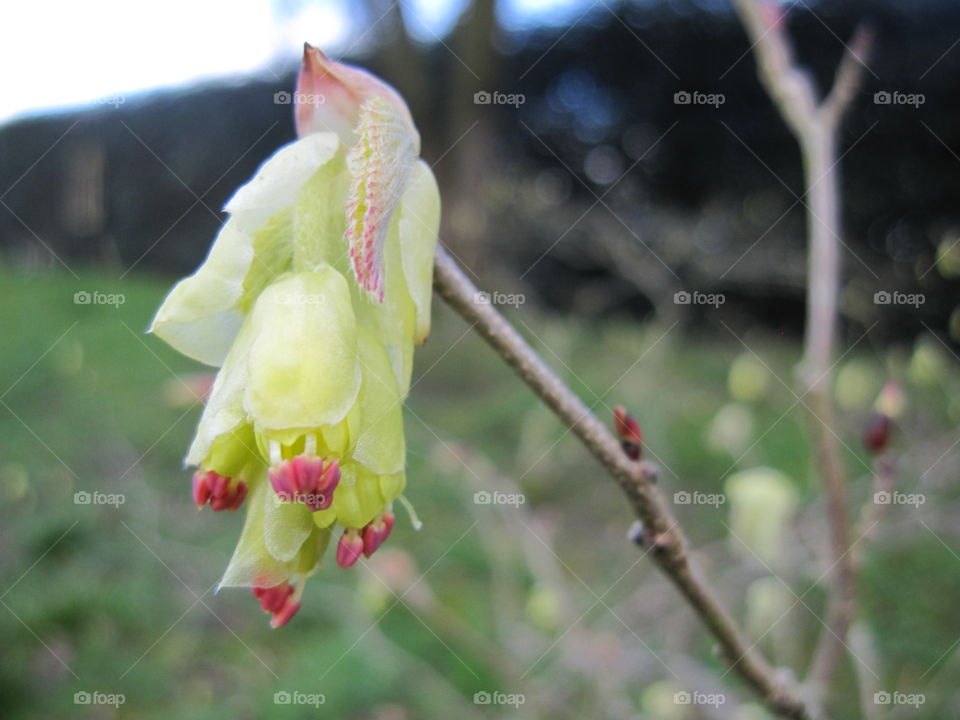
[
  {"x": 636, "y": 479},
  {"x": 849, "y": 76},
  {"x": 815, "y": 126},
  {"x": 873, "y": 510}
]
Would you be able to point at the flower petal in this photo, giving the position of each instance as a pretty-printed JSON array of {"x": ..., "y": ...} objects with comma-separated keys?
[
  {"x": 419, "y": 226},
  {"x": 356, "y": 501},
  {"x": 318, "y": 218},
  {"x": 303, "y": 369},
  {"x": 198, "y": 317},
  {"x": 252, "y": 565},
  {"x": 287, "y": 525},
  {"x": 224, "y": 411},
  {"x": 276, "y": 183},
  {"x": 392, "y": 485},
  {"x": 380, "y": 445},
  {"x": 329, "y": 96},
  {"x": 380, "y": 164}
]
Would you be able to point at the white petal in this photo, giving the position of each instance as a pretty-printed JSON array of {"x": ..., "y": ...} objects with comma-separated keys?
[
  {"x": 198, "y": 316},
  {"x": 278, "y": 180}
]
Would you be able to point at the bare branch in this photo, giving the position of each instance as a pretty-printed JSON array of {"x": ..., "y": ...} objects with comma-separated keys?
[
  {"x": 636, "y": 479},
  {"x": 849, "y": 76},
  {"x": 815, "y": 127}
]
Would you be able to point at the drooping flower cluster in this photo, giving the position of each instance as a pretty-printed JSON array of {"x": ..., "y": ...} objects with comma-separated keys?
[{"x": 310, "y": 302}]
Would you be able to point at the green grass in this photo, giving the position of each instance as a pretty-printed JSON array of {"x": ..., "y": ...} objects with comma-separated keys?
[{"x": 113, "y": 592}]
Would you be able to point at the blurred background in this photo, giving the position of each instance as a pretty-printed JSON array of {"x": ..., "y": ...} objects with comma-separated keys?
[{"x": 587, "y": 189}]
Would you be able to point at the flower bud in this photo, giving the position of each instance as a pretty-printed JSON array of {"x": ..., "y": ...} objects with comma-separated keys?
[
  {"x": 307, "y": 479},
  {"x": 280, "y": 601},
  {"x": 350, "y": 548},
  {"x": 628, "y": 430},
  {"x": 223, "y": 493},
  {"x": 877, "y": 433},
  {"x": 376, "y": 532}
]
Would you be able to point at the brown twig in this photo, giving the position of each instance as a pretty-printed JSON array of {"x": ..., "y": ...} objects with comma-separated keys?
[
  {"x": 636, "y": 479},
  {"x": 814, "y": 124},
  {"x": 873, "y": 509}
]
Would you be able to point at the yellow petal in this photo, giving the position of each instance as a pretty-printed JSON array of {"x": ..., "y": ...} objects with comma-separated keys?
[
  {"x": 303, "y": 369},
  {"x": 380, "y": 444},
  {"x": 252, "y": 565},
  {"x": 286, "y": 527},
  {"x": 418, "y": 229}
]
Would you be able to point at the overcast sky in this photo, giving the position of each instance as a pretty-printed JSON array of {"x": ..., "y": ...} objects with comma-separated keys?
[{"x": 58, "y": 53}]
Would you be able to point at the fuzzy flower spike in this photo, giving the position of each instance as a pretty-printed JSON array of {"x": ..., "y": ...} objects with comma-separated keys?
[{"x": 310, "y": 302}]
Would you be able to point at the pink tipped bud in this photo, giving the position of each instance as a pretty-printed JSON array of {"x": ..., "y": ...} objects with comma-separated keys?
[
  {"x": 628, "y": 430},
  {"x": 279, "y": 619},
  {"x": 223, "y": 493},
  {"x": 201, "y": 489},
  {"x": 330, "y": 94},
  {"x": 349, "y": 548},
  {"x": 280, "y": 601},
  {"x": 877, "y": 434},
  {"x": 376, "y": 532},
  {"x": 307, "y": 479}
]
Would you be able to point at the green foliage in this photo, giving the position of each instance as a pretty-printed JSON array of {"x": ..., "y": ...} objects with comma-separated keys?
[{"x": 114, "y": 590}]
